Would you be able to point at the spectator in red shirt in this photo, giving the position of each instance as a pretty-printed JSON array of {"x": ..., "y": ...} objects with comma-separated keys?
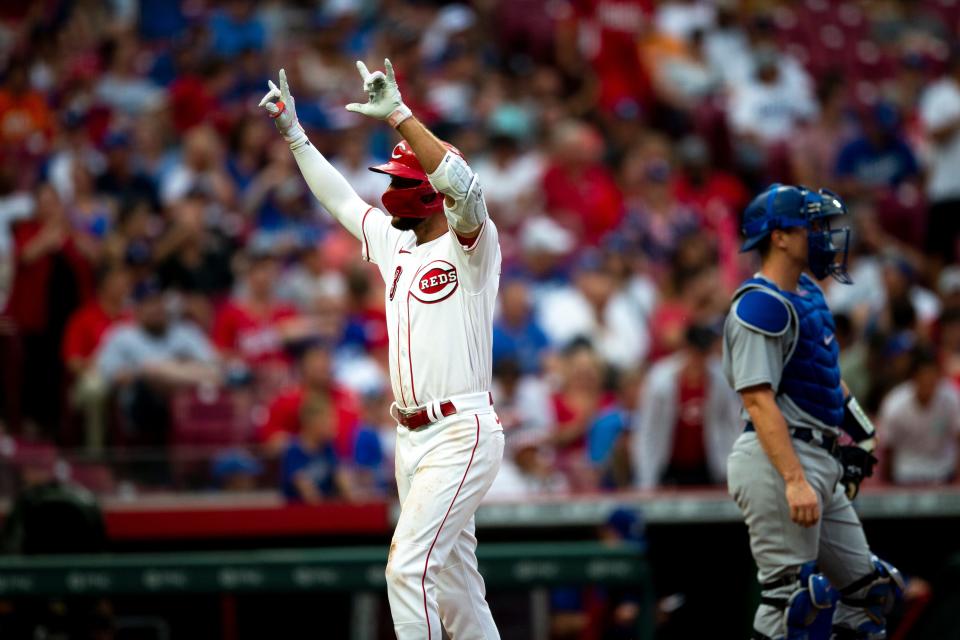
[
  {"x": 692, "y": 291},
  {"x": 948, "y": 343},
  {"x": 580, "y": 397},
  {"x": 191, "y": 98},
  {"x": 52, "y": 278},
  {"x": 316, "y": 381},
  {"x": 254, "y": 328},
  {"x": 604, "y": 34},
  {"x": 83, "y": 336},
  {"x": 717, "y": 197},
  {"x": 580, "y": 191}
]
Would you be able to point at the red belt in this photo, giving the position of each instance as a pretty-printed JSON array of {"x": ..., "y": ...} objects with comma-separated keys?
[{"x": 420, "y": 418}]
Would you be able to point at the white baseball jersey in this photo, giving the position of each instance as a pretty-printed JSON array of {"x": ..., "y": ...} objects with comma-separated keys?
[{"x": 439, "y": 301}]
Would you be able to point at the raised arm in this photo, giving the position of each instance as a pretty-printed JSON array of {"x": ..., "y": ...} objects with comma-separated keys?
[
  {"x": 448, "y": 171},
  {"x": 326, "y": 183}
]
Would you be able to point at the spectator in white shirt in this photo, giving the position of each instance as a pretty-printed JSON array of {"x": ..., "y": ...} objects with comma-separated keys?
[
  {"x": 767, "y": 106},
  {"x": 940, "y": 116},
  {"x": 122, "y": 87},
  {"x": 688, "y": 418},
  {"x": 514, "y": 179},
  {"x": 527, "y": 414},
  {"x": 200, "y": 169},
  {"x": 596, "y": 310},
  {"x": 523, "y": 401},
  {"x": 353, "y": 161},
  {"x": 920, "y": 424}
]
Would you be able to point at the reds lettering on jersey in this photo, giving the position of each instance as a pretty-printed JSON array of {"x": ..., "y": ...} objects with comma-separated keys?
[{"x": 440, "y": 302}]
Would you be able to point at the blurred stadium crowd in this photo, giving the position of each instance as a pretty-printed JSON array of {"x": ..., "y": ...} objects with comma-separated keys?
[{"x": 170, "y": 286}]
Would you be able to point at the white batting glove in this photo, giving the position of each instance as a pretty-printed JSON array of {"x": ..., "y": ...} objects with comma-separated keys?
[
  {"x": 384, "y": 101},
  {"x": 280, "y": 106}
]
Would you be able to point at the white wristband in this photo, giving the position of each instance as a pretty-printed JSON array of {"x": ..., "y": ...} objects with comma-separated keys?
[{"x": 398, "y": 115}]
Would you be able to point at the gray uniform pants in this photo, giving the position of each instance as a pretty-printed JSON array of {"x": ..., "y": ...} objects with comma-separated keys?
[{"x": 780, "y": 546}]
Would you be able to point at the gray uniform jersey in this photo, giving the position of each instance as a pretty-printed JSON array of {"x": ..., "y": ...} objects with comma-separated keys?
[
  {"x": 751, "y": 358},
  {"x": 779, "y": 546}
]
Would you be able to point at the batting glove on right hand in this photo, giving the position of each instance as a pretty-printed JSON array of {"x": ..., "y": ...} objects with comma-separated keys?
[
  {"x": 281, "y": 107},
  {"x": 857, "y": 464},
  {"x": 383, "y": 95}
]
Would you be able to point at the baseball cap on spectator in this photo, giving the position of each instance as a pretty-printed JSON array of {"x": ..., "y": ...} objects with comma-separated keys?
[
  {"x": 885, "y": 115},
  {"x": 693, "y": 151},
  {"x": 510, "y": 121},
  {"x": 146, "y": 289},
  {"x": 541, "y": 234},
  {"x": 627, "y": 526},
  {"x": 452, "y": 19},
  {"x": 236, "y": 462},
  {"x": 116, "y": 140},
  {"x": 300, "y": 348},
  {"x": 627, "y": 109},
  {"x": 590, "y": 261},
  {"x": 899, "y": 262},
  {"x": 765, "y": 58},
  {"x": 701, "y": 336},
  {"x": 137, "y": 254},
  {"x": 898, "y": 344},
  {"x": 262, "y": 247}
]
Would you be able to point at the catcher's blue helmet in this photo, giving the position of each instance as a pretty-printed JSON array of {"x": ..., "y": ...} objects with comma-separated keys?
[{"x": 787, "y": 206}]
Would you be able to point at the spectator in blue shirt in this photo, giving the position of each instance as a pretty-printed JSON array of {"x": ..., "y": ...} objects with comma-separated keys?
[
  {"x": 516, "y": 333},
  {"x": 310, "y": 471},
  {"x": 236, "y": 29},
  {"x": 879, "y": 159},
  {"x": 235, "y": 470},
  {"x": 373, "y": 470},
  {"x": 608, "y": 435}
]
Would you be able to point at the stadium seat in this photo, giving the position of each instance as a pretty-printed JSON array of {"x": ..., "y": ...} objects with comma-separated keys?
[
  {"x": 205, "y": 418},
  {"x": 98, "y": 478}
]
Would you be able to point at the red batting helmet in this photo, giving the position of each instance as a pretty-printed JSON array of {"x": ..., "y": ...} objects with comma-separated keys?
[{"x": 418, "y": 201}]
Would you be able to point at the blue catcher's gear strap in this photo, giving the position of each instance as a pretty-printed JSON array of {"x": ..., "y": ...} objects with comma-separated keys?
[
  {"x": 885, "y": 591},
  {"x": 812, "y": 596}
]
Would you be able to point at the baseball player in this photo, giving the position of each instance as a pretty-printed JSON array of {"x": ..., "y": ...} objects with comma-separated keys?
[
  {"x": 439, "y": 255},
  {"x": 788, "y": 474}
]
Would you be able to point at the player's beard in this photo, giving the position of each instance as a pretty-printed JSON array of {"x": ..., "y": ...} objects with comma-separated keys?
[{"x": 406, "y": 224}]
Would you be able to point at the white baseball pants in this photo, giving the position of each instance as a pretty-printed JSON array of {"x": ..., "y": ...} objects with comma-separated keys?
[{"x": 443, "y": 471}]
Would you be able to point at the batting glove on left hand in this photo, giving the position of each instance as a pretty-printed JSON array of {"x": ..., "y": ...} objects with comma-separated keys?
[
  {"x": 384, "y": 101},
  {"x": 281, "y": 107}
]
